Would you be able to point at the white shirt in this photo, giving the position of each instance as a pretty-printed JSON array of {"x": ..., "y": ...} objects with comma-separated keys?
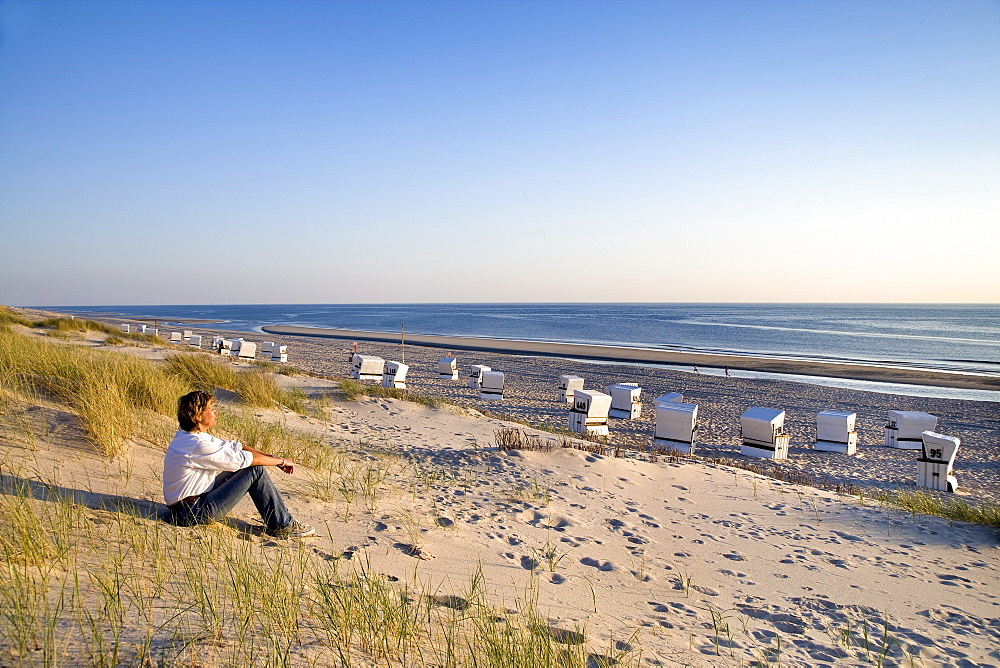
[{"x": 194, "y": 459}]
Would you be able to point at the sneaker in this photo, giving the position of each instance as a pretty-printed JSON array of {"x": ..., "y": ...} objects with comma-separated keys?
[{"x": 293, "y": 530}]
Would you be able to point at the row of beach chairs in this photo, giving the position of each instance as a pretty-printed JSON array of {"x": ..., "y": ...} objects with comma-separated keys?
[
  {"x": 237, "y": 347},
  {"x": 245, "y": 350},
  {"x": 762, "y": 429}
]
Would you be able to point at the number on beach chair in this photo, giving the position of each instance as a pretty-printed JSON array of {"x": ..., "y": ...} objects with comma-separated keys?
[{"x": 589, "y": 413}]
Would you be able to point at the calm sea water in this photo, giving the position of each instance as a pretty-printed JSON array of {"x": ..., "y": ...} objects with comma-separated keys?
[{"x": 953, "y": 337}]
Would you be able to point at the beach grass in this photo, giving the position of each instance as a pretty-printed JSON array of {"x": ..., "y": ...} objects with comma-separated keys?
[
  {"x": 118, "y": 397},
  {"x": 122, "y": 588},
  {"x": 353, "y": 390},
  {"x": 9, "y": 317},
  {"x": 255, "y": 386},
  {"x": 115, "y": 396},
  {"x": 926, "y": 502}
]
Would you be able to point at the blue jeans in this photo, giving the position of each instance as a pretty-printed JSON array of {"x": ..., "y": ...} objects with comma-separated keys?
[{"x": 229, "y": 488}]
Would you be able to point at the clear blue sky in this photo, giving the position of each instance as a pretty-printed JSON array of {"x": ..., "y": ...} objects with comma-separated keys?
[{"x": 424, "y": 151}]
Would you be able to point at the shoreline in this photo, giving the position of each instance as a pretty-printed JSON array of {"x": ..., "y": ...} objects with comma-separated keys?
[{"x": 841, "y": 370}]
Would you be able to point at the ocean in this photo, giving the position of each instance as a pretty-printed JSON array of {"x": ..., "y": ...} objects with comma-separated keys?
[{"x": 950, "y": 337}]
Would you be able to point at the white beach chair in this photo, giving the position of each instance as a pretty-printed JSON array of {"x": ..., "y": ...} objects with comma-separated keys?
[
  {"x": 448, "y": 368},
  {"x": 279, "y": 353},
  {"x": 835, "y": 432},
  {"x": 668, "y": 397},
  {"x": 676, "y": 426},
  {"x": 491, "y": 385},
  {"x": 905, "y": 429},
  {"x": 265, "y": 348},
  {"x": 248, "y": 350},
  {"x": 195, "y": 340},
  {"x": 234, "y": 347},
  {"x": 141, "y": 329},
  {"x": 126, "y": 329},
  {"x": 936, "y": 467},
  {"x": 589, "y": 412},
  {"x": 626, "y": 402},
  {"x": 187, "y": 333},
  {"x": 763, "y": 432},
  {"x": 475, "y": 373},
  {"x": 367, "y": 367},
  {"x": 567, "y": 386},
  {"x": 176, "y": 337},
  {"x": 394, "y": 375}
]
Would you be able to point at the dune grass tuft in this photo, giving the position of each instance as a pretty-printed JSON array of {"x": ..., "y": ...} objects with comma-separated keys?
[
  {"x": 9, "y": 317},
  {"x": 949, "y": 507},
  {"x": 114, "y": 395},
  {"x": 201, "y": 371},
  {"x": 353, "y": 390},
  {"x": 256, "y": 387},
  {"x": 74, "y": 325}
]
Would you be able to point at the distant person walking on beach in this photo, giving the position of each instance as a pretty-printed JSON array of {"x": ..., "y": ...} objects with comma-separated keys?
[{"x": 205, "y": 476}]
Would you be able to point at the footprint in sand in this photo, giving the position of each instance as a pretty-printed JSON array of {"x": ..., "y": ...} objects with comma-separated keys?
[
  {"x": 599, "y": 565},
  {"x": 954, "y": 580}
]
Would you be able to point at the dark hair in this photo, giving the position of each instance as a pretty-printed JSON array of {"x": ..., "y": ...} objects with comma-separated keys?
[{"x": 190, "y": 406}]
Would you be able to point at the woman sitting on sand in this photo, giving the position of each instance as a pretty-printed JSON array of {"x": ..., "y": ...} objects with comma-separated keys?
[{"x": 205, "y": 476}]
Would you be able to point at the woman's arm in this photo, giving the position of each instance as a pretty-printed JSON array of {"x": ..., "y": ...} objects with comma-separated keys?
[{"x": 264, "y": 459}]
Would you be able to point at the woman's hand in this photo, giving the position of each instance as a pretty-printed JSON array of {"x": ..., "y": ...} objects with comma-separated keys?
[{"x": 287, "y": 466}]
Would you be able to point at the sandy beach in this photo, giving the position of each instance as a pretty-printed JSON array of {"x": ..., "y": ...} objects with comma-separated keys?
[
  {"x": 655, "y": 562},
  {"x": 531, "y": 383}
]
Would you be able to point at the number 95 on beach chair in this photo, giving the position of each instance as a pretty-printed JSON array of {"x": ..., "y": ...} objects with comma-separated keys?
[{"x": 936, "y": 466}]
